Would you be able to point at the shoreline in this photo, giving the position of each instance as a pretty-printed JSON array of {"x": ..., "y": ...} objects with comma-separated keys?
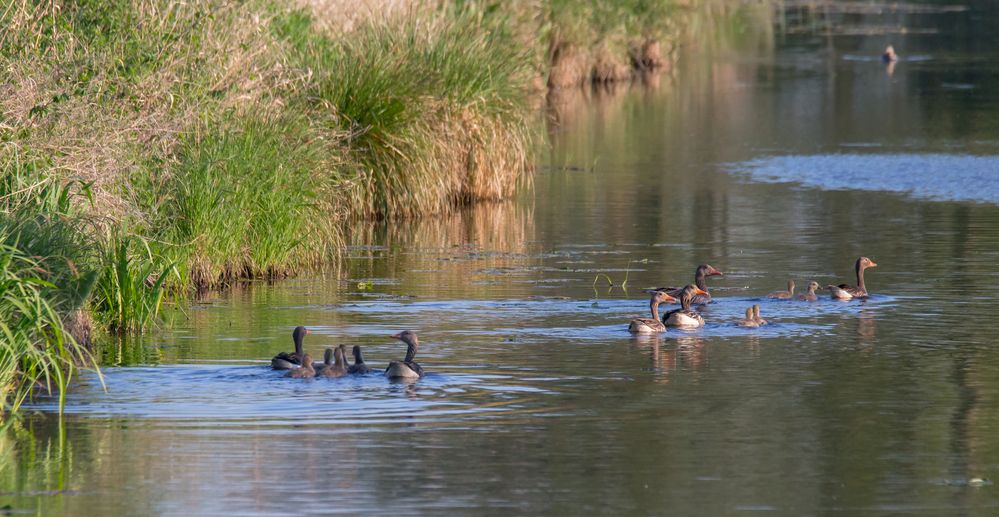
[{"x": 153, "y": 152}]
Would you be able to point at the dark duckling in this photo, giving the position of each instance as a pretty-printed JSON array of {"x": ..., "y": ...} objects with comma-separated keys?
[
  {"x": 288, "y": 361},
  {"x": 358, "y": 367},
  {"x": 306, "y": 371},
  {"x": 338, "y": 368},
  {"x": 407, "y": 368}
]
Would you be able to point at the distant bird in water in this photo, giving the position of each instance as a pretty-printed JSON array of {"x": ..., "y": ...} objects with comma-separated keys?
[
  {"x": 358, "y": 367},
  {"x": 306, "y": 371},
  {"x": 889, "y": 55},
  {"x": 288, "y": 361},
  {"x": 784, "y": 295},
  {"x": 407, "y": 368}
]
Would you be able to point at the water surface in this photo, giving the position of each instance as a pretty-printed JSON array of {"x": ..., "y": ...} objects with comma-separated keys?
[{"x": 768, "y": 156}]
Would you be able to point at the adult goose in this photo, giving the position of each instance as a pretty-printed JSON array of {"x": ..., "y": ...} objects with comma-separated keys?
[
  {"x": 703, "y": 271},
  {"x": 889, "y": 55},
  {"x": 652, "y": 325},
  {"x": 848, "y": 292},
  {"x": 685, "y": 316},
  {"x": 407, "y": 368},
  {"x": 288, "y": 361}
]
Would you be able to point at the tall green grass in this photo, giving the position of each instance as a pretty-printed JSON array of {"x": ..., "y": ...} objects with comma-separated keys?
[
  {"x": 242, "y": 198},
  {"x": 131, "y": 288},
  {"x": 589, "y": 21},
  {"x": 434, "y": 108},
  {"x": 34, "y": 351}
]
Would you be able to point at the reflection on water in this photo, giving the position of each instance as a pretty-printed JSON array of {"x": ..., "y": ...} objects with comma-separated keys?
[{"x": 537, "y": 398}]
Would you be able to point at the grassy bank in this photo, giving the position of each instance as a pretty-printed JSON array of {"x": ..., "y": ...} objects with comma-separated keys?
[{"x": 152, "y": 149}]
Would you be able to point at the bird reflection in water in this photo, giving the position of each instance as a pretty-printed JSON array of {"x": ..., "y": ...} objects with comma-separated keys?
[{"x": 867, "y": 326}]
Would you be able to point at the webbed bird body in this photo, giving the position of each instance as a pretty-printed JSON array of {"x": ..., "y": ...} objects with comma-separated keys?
[
  {"x": 651, "y": 325},
  {"x": 408, "y": 368},
  {"x": 291, "y": 360},
  {"x": 700, "y": 275},
  {"x": 685, "y": 317}
]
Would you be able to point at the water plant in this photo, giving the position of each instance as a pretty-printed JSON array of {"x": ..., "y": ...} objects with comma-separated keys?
[
  {"x": 35, "y": 352},
  {"x": 130, "y": 290}
]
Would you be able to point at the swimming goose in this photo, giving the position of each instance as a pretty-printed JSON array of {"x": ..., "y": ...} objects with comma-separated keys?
[
  {"x": 407, "y": 368},
  {"x": 889, "y": 55},
  {"x": 810, "y": 295},
  {"x": 703, "y": 271},
  {"x": 685, "y": 316},
  {"x": 358, "y": 366},
  {"x": 858, "y": 291},
  {"x": 652, "y": 325},
  {"x": 288, "y": 361},
  {"x": 839, "y": 293},
  {"x": 784, "y": 295},
  {"x": 306, "y": 371}
]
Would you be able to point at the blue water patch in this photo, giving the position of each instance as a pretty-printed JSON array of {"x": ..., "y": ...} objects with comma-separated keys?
[{"x": 941, "y": 177}]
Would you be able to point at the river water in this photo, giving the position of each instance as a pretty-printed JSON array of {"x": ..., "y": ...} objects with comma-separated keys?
[{"x": 769, "y": 155}]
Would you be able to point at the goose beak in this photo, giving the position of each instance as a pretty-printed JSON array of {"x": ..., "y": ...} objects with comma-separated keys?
[
  {"x": 396, "y": 336},
  {"x": 873, "y": 264},
  {"x": 714, "y": 272},
  {"x": 698, "y": 290},
  {"x": 307, "y": 332},
  {"x": 670, "y": 299}
]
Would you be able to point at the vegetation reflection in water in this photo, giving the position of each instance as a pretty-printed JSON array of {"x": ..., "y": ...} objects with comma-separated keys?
[{"x": 538, "y": 399}]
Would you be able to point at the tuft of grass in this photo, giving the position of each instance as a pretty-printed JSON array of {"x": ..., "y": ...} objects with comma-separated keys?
[
  {"x": 242, "y": 199},
  {"x": 433, "y": 108},
  {"x": 35, "y": 353},
  {"x": 130, "y": 291}
]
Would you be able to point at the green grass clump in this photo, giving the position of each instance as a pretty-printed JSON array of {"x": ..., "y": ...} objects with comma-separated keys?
[
  {"x": 131, "y": 287},
  {"x": 433, "y": 108},
  {"x": 34, "y": 351},
  {"x": 589, "y": 21},
  {"x": 241, "y": 199}
]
